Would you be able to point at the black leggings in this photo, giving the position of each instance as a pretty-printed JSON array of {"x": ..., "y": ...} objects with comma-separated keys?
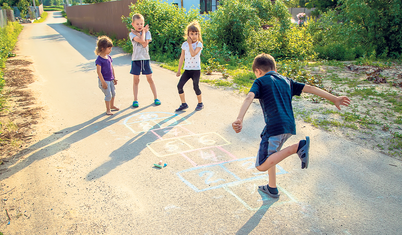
[{"x": 193, "y": 74}]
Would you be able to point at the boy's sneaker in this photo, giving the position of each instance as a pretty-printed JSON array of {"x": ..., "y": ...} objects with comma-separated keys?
[
  {"x": 199, "y": 107},
  {"x": 157, "y": 102},
  {"x": 303, "y": 152},
  {"x": 135, "y": 104},
  {"x": 265, "y": 189},
  {"x": 183, "y": 106}
]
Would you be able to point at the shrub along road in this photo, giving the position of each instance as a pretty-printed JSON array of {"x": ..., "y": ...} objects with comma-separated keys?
[{"x": 92, "y": 173}]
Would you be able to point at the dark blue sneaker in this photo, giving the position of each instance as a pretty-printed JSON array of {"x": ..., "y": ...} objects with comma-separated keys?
[
  {"x": 264, "y": 188},
  {"x": 182, "y": 107},
  {"x": 302, "y": 151},
  {"x": 199, "y": 107}
]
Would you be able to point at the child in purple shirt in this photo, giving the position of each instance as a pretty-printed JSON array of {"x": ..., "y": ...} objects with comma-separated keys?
[{"x": 105, "y": 71}]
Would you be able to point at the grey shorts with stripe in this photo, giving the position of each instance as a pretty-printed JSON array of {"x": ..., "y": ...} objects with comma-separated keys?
[{"x": 270, "y": 145}]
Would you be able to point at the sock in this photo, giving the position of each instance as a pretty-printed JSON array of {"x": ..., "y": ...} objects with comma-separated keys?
[
  {"x": 301, "y": 144},
  {"x": 183, "y": 103},
  {"x": 200, "y": 103},
  {"x": 272, "y": 190}
]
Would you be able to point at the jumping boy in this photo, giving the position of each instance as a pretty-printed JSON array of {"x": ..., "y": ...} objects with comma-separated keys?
[{"x": 275, "y": 93}]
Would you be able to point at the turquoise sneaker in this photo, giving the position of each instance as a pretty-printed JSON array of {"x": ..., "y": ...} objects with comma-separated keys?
[
  {"x": 135, "y": 104},
  {"x": 157, "y": 102}
]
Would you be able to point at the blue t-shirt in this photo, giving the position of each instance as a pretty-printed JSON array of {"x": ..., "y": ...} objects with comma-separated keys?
[
  {"x": 106, "y": 67},
  {"x": 275, "y": 93}
]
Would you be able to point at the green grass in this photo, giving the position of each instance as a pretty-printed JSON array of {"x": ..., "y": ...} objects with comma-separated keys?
[
  {"x": 42, "y": 17},
  {"x": 53, "y": 8},
  {"x": 217, "y": 82}
]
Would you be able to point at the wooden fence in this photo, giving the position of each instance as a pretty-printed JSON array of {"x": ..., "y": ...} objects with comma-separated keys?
[{"x": 105, "y": 17}]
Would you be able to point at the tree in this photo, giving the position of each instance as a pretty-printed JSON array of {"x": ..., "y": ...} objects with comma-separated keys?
[
  {"x": 322, "y": 5},
  {"x": 23, "y": 6}
]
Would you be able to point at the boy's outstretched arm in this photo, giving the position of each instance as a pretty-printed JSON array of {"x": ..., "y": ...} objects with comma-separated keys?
[
  {"x": 238, "y": 124},
  {"x": 337, "y": 100}
]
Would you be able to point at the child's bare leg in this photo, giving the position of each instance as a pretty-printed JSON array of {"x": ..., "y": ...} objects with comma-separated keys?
[
  {"x": 277, "y": 157},
  {"x": 108, "y": 112},
  {"x": 272, "y": 177},
  {"x": 199, "y": 98},
  {"x": 182, "y": 98},
  {"x": 135, "y": 86},
  {"x": 152, "y": 85},
  {"x": 112, "y": 105}
]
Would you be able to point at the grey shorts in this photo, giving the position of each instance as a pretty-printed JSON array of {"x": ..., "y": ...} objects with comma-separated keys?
[
  {"x": 109, "y": 91},
  {"x": 270, "y": 145}
]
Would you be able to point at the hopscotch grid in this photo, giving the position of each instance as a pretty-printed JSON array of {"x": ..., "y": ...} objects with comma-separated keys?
[
  {"x": 217, "y": 186},
  {"x": 228, "y": 171},
  {"x": 183, "y": 141},
  {"x": 194, "y": 135},
  {"x": 221, "y": 164}
]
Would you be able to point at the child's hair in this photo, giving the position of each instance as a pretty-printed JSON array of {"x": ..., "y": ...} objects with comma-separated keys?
[
  {"x": 137, "y": 16},
  {"x": 103, "y": 43},
  {"x": 264, "y": 62},
  {"x": 193, "y": 27}
]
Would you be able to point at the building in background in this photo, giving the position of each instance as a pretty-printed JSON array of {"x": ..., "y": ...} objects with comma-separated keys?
[{"x": 201, "y": 5}]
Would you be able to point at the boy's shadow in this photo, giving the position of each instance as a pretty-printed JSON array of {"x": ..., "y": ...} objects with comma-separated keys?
[
  {"x": 51, "y": 145},
  {"x": 253, "y": 222},
  {"x": 132, "y": 148}
]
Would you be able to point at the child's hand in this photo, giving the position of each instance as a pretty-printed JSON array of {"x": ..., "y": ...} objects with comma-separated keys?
[
  {"x": 189, "y": 41},
  {"x": 178, "y": 73},
  {"x": 146, "y": 28},
  {"x": 115, "y": 81},
  {"x": 104, "y": 85},
  {"x": 341, "y": 100},
  {"x": 237, "y": 125}
]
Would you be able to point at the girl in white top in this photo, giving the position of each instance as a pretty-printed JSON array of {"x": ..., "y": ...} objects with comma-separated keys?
[{"x": 190, "y": 53}]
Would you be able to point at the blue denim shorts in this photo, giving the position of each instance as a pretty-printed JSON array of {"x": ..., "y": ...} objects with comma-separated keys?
[
  {"x": 270, "y": 145},
  {"x": 140, "y": 66}
]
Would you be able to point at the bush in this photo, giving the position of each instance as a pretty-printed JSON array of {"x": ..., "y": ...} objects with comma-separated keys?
[
  {"x": 8, "y": 39},
  {"x": 296, "y": 42},
  {"x": 167, "y": 24},
  {"x": 6, "y": 6},
  {"x": 360, "y": 27},
  {"x": 231, "y": 24}
]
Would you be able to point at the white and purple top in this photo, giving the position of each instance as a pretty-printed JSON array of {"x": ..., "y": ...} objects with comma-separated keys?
[{"x": 191, "y": 63}]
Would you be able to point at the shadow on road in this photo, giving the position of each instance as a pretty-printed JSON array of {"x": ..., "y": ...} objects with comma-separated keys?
[
  {"x": 132, "y": 148},
  {"x": 51, "y": 145},
  {"x": 254, "y": 221}
]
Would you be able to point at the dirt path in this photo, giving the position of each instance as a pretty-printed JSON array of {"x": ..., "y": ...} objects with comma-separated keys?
[{"x": 89, "y": 173}]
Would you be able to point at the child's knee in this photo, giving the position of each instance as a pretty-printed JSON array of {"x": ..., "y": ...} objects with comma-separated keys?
[
  {"x": 136, "y": 80},
  {"x": 260, "y": 168},
  {"x": 150, "y": 80}
]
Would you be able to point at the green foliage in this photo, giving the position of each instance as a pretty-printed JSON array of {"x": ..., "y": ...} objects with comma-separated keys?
[
  {"x": 53, "y": 8},
  {"x": 359, "y": 28},
  {"x": 295, "y": 70},
  {"x": 231, "y": 24},
  {"x": 23, "y": 6},
  {"x": 296, "y": 42},
  {"x": 6, "y": 6},
  {"x": 42, "y": 17},
  {"x": 167, "y": 24},
  {"x": 8, "y": 39},
  {"x": 322, "y": 5}
]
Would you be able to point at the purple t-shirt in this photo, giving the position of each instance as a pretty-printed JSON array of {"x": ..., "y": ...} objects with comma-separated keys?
[{"x": 106, "y": 67}]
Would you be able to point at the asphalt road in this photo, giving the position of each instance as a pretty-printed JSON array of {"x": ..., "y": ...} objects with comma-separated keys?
[{"x": 94, "y": 174}]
